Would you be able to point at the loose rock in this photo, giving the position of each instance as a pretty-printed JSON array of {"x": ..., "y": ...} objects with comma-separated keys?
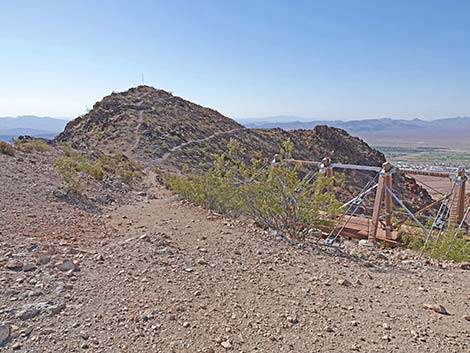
[
  {"x": 44, "y": 259},
  {"x": 344, "y": 282},
  {"x": 29, "y": 267},
  {"x": 226, "y": 344},
  {"x": 66, "y": 265},
  {"x": 14, "y": 265},
  {"x": 28, "y": 313},
  {"x": 465, "y": 266},
  {"x": 4, "y": 333},
  {"x": 437, "y": 308}
]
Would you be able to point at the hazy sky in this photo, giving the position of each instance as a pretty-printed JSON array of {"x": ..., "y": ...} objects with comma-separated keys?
[{"x": 318, "y": 59}]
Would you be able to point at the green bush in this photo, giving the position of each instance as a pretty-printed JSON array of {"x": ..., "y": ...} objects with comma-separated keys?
[
  {"x": 30, "y": 144},
  {"x": 6, "y": 148},
  {"x": 273, "y": 195},
  {"x": 127, "y": 175},
  {"x": 95, "y": 170},
  {"x": 66, "y": 167},
  {"x": 446, "y": 247},
  {"x": 73, "y": 163}
]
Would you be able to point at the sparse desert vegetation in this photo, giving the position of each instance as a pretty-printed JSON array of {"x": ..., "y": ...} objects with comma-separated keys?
[
  {"x": 7, "y": 149},
  {"x": 272, "y": 195},
  {"x": 74, "y": 164},
  {"x": 29, "y": 144},
  {"x": 448, "y": 246}
]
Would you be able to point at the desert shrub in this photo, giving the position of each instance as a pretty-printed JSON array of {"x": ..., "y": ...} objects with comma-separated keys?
[
  {"x": 127, "y": 169},
  {"x": 127, "y": 175},
  {"x": 74, "y": 163},
  {"x": 273, "y": 195},
  {"x": 30, "y": 144},
  {"x": 66, "y": 167},
  {"x": 6, "y": 148},
  {"x": 447, "y": 247},
  {"x": 95, "y": 170}
]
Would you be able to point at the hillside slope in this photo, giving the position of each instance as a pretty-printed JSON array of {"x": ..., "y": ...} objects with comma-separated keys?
[{"x": 157, "y": 128}]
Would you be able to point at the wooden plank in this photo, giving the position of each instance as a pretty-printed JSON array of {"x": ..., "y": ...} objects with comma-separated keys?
[
  {"x": 426, "y": 173},
  {"x": 376, "y": 212},
  {"x": 458, "y": 209},
  {"x": 388, "y": 206}
]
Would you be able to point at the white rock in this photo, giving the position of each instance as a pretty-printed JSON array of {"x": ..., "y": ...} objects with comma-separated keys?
[
  {"x": 28, "y": 313},
  {"x": 226, "y": 344},
  {"x": 44, "y": 259},
  {"x": 366, "y": 243}
]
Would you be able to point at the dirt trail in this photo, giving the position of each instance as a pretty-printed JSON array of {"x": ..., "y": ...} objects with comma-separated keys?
[
  {"x": 164, "y": 158},
  {"x": 175, "y": 278},
  {"x": 140, "y": 119}
]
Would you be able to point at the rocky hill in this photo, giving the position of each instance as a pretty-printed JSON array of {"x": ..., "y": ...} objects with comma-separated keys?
[
  {"x": 145, "y": 123},
  {"x": 152, "y": 126},
  {"x": 157, "y": 128}
]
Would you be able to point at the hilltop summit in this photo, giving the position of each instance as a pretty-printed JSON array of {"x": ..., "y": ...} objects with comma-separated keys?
[{"x": 144, "y": 122}]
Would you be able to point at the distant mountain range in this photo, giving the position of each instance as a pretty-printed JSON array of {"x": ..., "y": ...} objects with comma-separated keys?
[
  {"x": 31, "y": 125},
  {"x": 451, "y": 132}
]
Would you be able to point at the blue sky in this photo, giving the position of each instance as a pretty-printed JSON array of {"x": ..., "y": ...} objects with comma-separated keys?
[{"x": 316, "y": 59}]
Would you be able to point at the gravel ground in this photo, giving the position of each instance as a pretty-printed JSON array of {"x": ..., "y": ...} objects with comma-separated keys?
[{"x": 165, "y": 276}]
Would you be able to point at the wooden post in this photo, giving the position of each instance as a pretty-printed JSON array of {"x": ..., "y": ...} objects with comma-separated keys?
[
  {"x": 388, "y": 200},
  {"x": 376, "y": 212},
  {"x": 385, "y": 178},
  {"x": 458, "y": 211},
  {"x": 328, "y": 170}
]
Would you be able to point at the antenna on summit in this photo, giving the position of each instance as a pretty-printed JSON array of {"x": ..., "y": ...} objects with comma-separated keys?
[{"x": 142, "y": 78}]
